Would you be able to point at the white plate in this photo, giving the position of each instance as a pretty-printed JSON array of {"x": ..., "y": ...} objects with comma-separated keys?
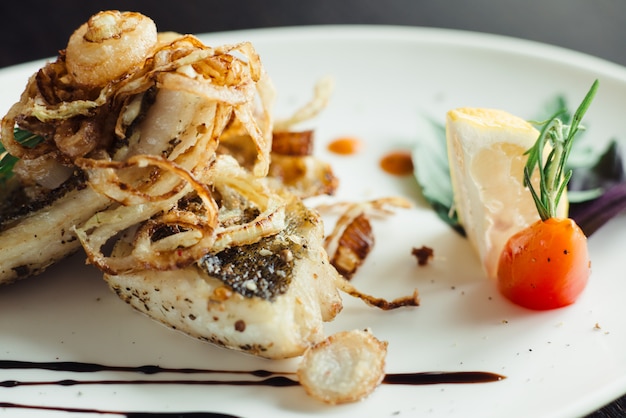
[{"x": 561, "y": 363}]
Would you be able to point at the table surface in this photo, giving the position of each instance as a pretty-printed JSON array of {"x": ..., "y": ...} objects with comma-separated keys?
[{"x": 595, "y": 27}]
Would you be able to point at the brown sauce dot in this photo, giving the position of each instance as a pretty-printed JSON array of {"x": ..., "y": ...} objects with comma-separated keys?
[
  {"x": 240, "y": 325},
  {"x": 423, "y": 255},
  {"x": 397, "y": 163},
  {"x": 345, "y": 146}
]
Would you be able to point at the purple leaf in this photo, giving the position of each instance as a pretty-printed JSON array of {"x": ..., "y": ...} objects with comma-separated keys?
[{"x": 593, "y": 214}]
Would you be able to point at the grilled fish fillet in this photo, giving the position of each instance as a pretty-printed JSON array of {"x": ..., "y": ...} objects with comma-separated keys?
[
  {"x": 38, "y": 238},
  {"x": 135, "y": 138},
  {"x": 268, "y": 299}
]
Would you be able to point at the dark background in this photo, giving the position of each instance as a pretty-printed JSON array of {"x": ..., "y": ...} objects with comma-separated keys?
[{"x": 38, "y": 29}]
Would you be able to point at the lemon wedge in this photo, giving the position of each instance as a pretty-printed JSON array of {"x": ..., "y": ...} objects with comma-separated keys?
[{"x": 486, "y": 155}]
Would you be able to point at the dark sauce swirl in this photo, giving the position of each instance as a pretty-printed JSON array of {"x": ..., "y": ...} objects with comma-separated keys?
[{"x": 262, "y": 378}]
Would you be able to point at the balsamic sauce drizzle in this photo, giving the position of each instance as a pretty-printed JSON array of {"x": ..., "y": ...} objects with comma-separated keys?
[
  {"x": 265, "y": 378},
  {"x": 121, "y": 413}
]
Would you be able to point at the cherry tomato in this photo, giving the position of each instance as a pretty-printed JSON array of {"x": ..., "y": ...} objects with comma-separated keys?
[{"x": 546, "y": 265}]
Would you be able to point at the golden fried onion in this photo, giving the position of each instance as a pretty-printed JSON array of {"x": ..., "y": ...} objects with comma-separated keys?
[
  {"x": 153, "y": 174},
  {"x": 194, "y": 233},
  {"x": 321, "y": 95},
  {"x": 351, "y": 212},
  {"x": 231, "y": 76},
  {"x": 109, "y": 45},
  {"x": 346, "y": 256},
  {"x": 229, "y": 89},
  {"x": 345, "y": 367}
]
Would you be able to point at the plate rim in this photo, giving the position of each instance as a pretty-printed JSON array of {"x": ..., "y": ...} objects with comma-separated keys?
[
  {"x": 387, "y": 32},
  {"x": 434, "y": 35}
]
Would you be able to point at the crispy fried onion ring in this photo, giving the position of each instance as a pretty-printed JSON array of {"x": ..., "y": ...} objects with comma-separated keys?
[
  {"x": 321, "y": 95},
  {"x": 339, "y": 246},
  {"x": 227, "y": 176},
  {"x": 177, "y": 198},
  {"x": 352, "y": 211},
  {"x": 217, "y": 75},
  {"x": 192, "y": 233},
  {"x": 230, "y": 75},
  {"x": 345, "y": 367},
  {"x": 104, "y": 174}
]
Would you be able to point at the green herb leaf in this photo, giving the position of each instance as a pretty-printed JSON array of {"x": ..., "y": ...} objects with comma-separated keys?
[
  {"x": 594, "y": 174},
  {"x": 553, "y": 175},
  {"x": 430, "y": 159},
  {"x": 7, "y": 161}
]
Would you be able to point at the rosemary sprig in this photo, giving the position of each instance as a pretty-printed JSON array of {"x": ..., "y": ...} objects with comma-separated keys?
[
  {"x": 7, "y": 161},
  {"x": 552, "y": 176}
]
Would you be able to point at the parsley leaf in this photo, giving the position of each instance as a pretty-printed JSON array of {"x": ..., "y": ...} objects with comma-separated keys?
[{"x": 7, "y": 161}]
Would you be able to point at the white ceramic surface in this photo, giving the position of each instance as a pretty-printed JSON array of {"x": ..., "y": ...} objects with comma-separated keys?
[{"x": 561, "y": 363}]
